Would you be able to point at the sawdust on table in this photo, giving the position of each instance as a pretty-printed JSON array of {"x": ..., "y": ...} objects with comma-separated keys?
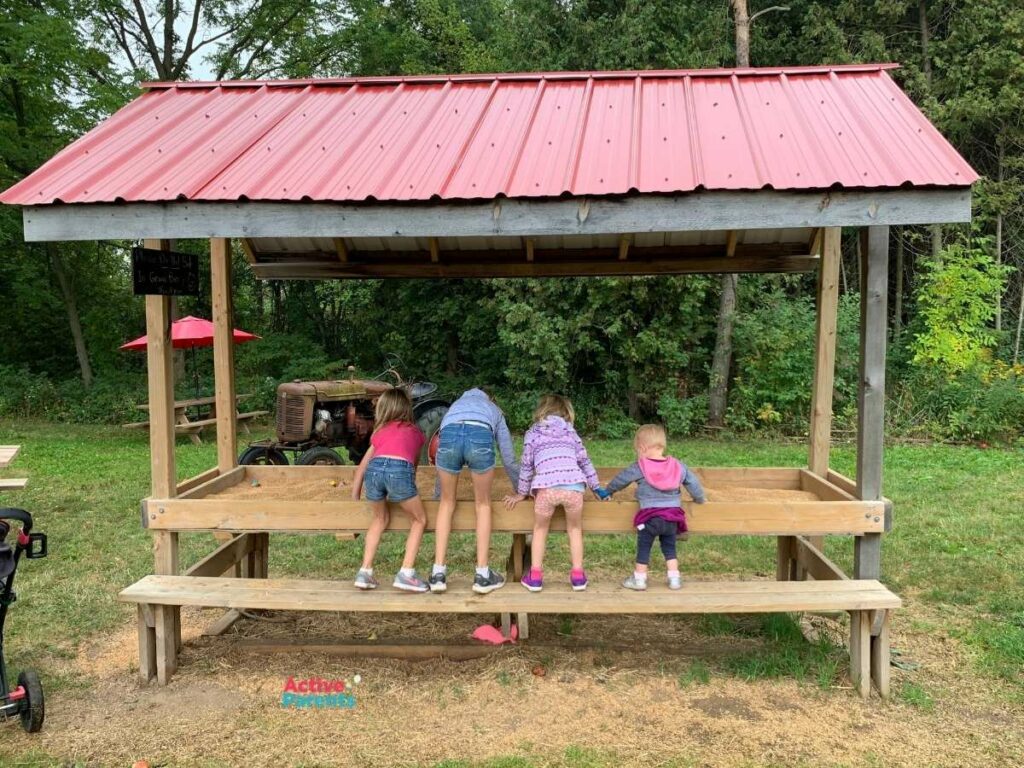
[{"x": 620, "y": 695}]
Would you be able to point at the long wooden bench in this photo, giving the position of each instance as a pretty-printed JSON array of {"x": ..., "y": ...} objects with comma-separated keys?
[{"x": 248, "y": 502}]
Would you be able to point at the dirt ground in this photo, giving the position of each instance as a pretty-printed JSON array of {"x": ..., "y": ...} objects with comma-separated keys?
[{"x": 620, "y": 707}]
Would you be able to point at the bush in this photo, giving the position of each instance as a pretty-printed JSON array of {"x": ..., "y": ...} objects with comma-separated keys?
[{"x": 683, "y": 417}]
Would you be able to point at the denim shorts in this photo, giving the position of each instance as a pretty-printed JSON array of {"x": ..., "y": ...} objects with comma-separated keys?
[
  {"x": 465, "y": 445},
  {"x": 393, "y": 479}
]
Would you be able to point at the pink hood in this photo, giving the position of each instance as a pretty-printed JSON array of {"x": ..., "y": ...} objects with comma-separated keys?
[{"x": 665, "y": 475}]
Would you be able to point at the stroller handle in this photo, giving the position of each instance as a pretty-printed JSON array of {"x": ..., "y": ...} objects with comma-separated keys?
[{"x": 9, "y": 513}]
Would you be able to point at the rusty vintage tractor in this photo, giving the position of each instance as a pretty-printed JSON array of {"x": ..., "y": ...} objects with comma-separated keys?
[{"x": 316, "y": 417}]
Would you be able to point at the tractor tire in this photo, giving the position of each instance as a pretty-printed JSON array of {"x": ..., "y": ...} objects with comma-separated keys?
[
  {"x": 259, "y": 455},
  {"x": 319, "y": 455},
  {"x": 33, "y": 710}
]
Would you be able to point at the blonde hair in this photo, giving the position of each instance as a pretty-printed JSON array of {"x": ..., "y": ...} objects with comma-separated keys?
[
  {"x": 554, "y": 405},
  {"x": 393, "y": 405},
  {"x": 650, "y": 436}
]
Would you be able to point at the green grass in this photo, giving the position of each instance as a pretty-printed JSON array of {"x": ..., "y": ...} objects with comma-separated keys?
[
  {"x": 956, "y": 542},
  {"x": 916, "y": 696}
]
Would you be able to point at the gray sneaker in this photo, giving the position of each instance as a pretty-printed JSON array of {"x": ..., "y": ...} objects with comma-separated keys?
[
  {"x": 675, "y": 582},
  {"x": 635, "y": 584},
  {"x": 410, "y": 583},
  {"x": 439, "y": 582},
  {"x": 365, "y": 580},
  {"x": 484, "y": 584}
]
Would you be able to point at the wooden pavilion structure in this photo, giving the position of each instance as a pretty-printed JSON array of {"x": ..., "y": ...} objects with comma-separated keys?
[{"x": 524, "y": 175}]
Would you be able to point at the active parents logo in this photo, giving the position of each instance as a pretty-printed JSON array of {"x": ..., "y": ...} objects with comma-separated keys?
[{"x": 319, "y": 693}]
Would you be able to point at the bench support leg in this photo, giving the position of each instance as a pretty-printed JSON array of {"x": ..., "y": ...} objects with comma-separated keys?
[
  {"x": 860, "y": 652},
  {"x": 516, "y": 568},
  {"x": 166, "y": 643},
  {"x": 147, "y": 643},
  {"x": 880, "y": 657},
  {"x": 785, "y": 566}
]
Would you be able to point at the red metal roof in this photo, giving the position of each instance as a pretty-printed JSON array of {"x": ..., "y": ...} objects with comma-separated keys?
[{"x": 518, "y": 135}]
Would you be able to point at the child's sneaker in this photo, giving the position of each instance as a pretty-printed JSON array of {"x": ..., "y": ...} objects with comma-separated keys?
[
  {"x": 635, "y": 584},
  {"x": 484, "y": 584},
  {"x": 412, "y": 583},
  {"x": 439, "y": 582},
  {"x": 578, "y": 579},
  {"x": 365, "y": 580},
  {"x": 533, "y": 580},
  {"x": 675, "y": 582}
]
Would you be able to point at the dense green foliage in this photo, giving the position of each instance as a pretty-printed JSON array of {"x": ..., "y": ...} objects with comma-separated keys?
[{"x": 626, "y": 349}]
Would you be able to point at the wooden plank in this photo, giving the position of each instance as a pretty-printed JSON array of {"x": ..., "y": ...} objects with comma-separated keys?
[
  {"x": 161, "y": 389},
  {"x": 248, "y": 250},
  {"x": 824, "y": 352},
  {"x": 147, "y": 643},
  {"x": 225, "y": 556},
  {"x": 13, "y": 483},
  {"x": 871, "y": 394},
  {"x": 7, "y": 454},
  {"x": 731, "y": 239},
  {"x": 814, "y": 562},
  {"x": 880, "y": 657},
  {"x": 609, "y": 597},
  {"x": 860, "y": 651},
  {"x": 413, "y": 651},
  {"x": 435, "y": 250},
  {"x": 218, "y": 482},
  {"x": 768, "y": 518},
  {"x": 822, "y": 488},
  {"x": 223, "y": 353},
  {"x": 530, "y": 248},
  {"x": 815, "y": 241},
  {"x": 291, "y": 268},
  {"x": 784, "y": 558},
  {"x": 250, "y": 415},
  {"x": 842, "y": 482},
  {"x": 692, "y": 212},
  {"x": 340, "y": 249},
  {"x": 194, "y": 482},
  {"x": 166, "y": 642},
  {"x": 223, "y": 624},
  {"x": 624, "y": 243}
]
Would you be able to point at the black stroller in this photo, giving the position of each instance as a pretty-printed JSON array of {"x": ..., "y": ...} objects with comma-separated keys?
[{"x": 26, "y": 700}]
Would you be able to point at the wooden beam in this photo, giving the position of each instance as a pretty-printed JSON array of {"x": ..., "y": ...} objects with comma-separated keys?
[
  {"x": 871, "y": 394},
  {"x": 730, "y": 243},
  {"x": 813, "y": 561},
  {"x": 194, "y": 482},
  {"x": 13, "y": 483},
  {"x": 530, "y": 247},
  {"x": 814, "y": 243},
  {"x": 881, "y": 657},
  {"x": 225, "y": 556},
  {"x": 636, "y": 265},
  {"x": 761, "y": 518},
  {"x": 435, "y": 250},
  {"x": 340, "y": 249},
  {"x": 224, "y": 353},
  {"x": 147, "y": 643},
  {"x": 223, "y": 624},
  {"x": 413, "y": 651},
  {"x": 691, "y": 212},
  {"x": 161, "y": 389},
  {"x": 822, "y": 488},
  {"x": 624, "y": 243},
  {"x": 824, "y": 353},
  {"x": 860, "y": 651},
  {"x": 248, "y": 250},
  {"x": 601, "y": 597}
]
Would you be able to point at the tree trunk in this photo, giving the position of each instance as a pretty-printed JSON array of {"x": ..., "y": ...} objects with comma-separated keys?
[
  {"x": 897, "y": 310},
  {"x": 722, "y": 359},
  {"x": 1020, "y": 322},
  {"x": 999, "y": 233},
  {"x": 926, "y": 34},
  {"x": 276, "y": 319},
  {"x": 741, "y": 17},
  {"x": 71, "y": 306}
]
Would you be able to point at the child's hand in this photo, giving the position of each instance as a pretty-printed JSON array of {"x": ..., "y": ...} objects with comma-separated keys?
[
  {"x": 602, "y": 493},
  {"x": 511, "y": 501}
]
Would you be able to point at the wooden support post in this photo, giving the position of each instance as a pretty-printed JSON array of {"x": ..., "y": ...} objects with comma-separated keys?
[
  {"x": 880, "y": 654},
  {"x": 223, "y": 353},
  {"x": 147, "y": 643},
  {"x": 518, "y": 562},
  {"x": 871, "y": 396},
  {"x": 167, "y": 620},
  {"x": 785, "y": 564},
  {"x": 860, "y": 652},
  {"x": 820, "y": 435}
]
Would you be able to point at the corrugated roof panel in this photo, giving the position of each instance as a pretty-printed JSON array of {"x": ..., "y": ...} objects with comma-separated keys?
[{"x": 519, "y": 135}]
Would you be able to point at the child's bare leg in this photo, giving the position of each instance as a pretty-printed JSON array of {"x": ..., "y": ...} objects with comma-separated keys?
[
  {"x": 445, "y": 510},
  {"x": 640, "y": 567},
  {"x": 672, "y": 565},
  {"x": 482, "y": 497},
  {"x": 538, "y": 546},
  {"x": 574, "y": 529},
  {"x": 414, "y": 508},
  {"x": 378, "y": 524}
]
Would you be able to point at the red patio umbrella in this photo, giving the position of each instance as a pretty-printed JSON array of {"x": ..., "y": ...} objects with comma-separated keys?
[{"x": 188, "y": 333}]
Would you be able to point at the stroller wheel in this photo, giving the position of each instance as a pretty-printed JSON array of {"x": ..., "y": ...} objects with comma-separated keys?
[{"x": 33, "y": 710}]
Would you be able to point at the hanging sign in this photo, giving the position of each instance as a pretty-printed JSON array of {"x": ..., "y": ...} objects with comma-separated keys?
[{"x": 164, "y": 273}]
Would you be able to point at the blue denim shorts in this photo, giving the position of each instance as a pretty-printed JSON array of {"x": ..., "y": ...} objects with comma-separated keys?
[
  {"x": 393, "y": 479},
  {"x": 465, "y": 445}
]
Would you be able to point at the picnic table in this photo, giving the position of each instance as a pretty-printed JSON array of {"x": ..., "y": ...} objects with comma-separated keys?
[
  {"x": 205, "y": 415},
  {"x": 7, "y": 454}
]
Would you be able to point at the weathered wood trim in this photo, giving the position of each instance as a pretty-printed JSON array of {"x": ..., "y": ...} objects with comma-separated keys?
[
  {"x": 770, "y": 518},
  {"x": 820, "y": 441},
  {"x": 693, "y": 212},
  {"x": 813, "y": 561},
  {"x": 224, "y": 353},
  {"x": 225, "y": 556}
]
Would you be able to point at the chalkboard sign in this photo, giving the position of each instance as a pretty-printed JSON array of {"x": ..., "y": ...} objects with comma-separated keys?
[{"x": 164, "y": 273}]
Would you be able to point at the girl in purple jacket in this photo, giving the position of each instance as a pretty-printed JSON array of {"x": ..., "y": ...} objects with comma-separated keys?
[{"x": 555, "y": 470}]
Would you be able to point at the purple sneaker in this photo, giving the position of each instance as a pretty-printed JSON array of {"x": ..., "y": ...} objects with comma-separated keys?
[
  {"x": 533, "y": 580},
  {"x": 578, "y": 579}
]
